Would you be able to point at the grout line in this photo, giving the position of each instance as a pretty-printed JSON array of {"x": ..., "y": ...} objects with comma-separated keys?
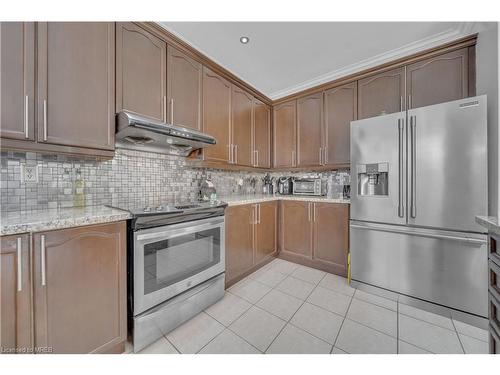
[
  {"x": 412, "y": 344},
  {"x": 458, "y": 336},
  {"x": 171, "y": 343},
  {"x": 342, "y": 324}
]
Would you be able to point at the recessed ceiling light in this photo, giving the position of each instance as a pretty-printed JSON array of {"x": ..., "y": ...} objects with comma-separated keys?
[{"x": 244, "y": 39}]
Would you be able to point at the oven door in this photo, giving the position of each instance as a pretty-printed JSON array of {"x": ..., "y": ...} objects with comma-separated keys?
[{"x": 171, "y": 259}]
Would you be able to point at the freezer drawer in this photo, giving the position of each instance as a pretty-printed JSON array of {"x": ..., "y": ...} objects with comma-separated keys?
[{"x": 447, "y": 268}]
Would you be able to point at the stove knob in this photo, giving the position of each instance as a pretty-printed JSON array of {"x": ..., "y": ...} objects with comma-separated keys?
[
  {"x": 159, "y": 208},
  {"x": 147, "y": 209}
]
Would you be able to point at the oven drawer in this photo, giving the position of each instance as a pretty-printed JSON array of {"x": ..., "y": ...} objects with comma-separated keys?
[
  {"x": 494, "y": 279},
  {"x": 494, "y": 250}
]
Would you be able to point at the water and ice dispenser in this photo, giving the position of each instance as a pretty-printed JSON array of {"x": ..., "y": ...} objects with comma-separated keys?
[{"x": 373, "y": 179}]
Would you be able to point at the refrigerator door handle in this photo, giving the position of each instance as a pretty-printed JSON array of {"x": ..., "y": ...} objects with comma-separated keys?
[
  {"x": 400, "y": 167},
  {"x": 413, "y": 168}
]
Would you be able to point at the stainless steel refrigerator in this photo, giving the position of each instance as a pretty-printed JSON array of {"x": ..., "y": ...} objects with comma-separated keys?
[{"x": 418, "y": 179}]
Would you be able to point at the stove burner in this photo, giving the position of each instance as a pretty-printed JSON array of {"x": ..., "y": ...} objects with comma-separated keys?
[{"x": 187, "y": 206}]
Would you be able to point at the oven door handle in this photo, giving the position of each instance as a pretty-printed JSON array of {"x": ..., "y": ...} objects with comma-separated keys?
[{"x": 173, "y": 232}]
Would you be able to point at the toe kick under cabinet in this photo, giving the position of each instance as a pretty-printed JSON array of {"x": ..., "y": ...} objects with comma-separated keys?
[{"x": 64, "y": 291}]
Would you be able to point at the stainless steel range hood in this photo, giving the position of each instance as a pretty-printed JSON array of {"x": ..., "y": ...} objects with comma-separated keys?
[{"x": 135, "y": 132}]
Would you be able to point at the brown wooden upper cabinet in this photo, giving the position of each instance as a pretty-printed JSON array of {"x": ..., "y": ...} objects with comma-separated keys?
[
  {"x": 15, "y": 293},
  {"x": 285, "y": 134},
  {"x": 296, "y": 228},
  {"x": 438, "y": 79},
  {"x": 79, "y": 288},
  {"x": 341, "y": 107},
  {"x": 242, "y": 127},
  {"x": 141, "y": 66},
  {"x": 310, "y": 130},
  {"x": 380, "y": 94},
  {"x": 262, "y": 135},
  {"x": 184, "y": 90},
  {"x": 217, "y": 116},
  {"x": 76, "y": 84},
  {"x": 331, "y": 236},
  {"x": 17, "y": 92}
]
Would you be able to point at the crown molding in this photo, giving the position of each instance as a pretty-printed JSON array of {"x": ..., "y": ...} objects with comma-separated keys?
[{"x": 463, "y": 29}]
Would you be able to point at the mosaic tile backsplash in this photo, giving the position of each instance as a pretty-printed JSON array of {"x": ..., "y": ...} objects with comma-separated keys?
[{"x": 130, "y": 176}]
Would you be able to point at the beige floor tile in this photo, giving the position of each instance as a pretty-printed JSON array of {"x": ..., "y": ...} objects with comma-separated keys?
[
  {"x": 258, "y": 327},
  {"x": 228, "y": 343},
  {"x": 472, "y": 331},
  {"x": 250, "y": 290},
  {"x": 195, "y": 333},
  {"x": 355, "y": 338},
  {"x": 280, "y": 304},
  {"x": 293, "y": 340},
  {"x": 474, "y": 346},
  {"x": 406, "y": 348},
  {"x": 228, "y": 309},
  {"x": 428, "y": 336},
  {"x": 426, "y": 316},
  {"x": 336, "y": 350},
  {"x": 376, "y": 300},
  {"x": 295, "y": 287},
  {"x": 283, "y": 266},
  {"x": 318, "y": 322},
  {"x": 268, "y": 277},
  {"x": 373, "y": 316},
  {"x": 337, "y": 283},
  {"x": 330, "y": 300},
  {"x": 161, "y": 346},
  {"x": 308, "y": 274}
]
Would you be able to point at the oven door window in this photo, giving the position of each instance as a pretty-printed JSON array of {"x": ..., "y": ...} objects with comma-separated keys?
[{"x": 169, "y": 261}]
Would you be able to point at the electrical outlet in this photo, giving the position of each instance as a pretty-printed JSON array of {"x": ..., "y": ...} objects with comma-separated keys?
[{"x": 29, "y": 173}]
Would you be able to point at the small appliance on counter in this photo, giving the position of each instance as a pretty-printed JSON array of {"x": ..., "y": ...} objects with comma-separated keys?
[
  {"x": 267, "y": 184},
  {"x": 207, "y": 190},
  {"x": 346, "y": 192},
  {"x": 285, "y": 185},
  {"x": 309, "y": 186}
]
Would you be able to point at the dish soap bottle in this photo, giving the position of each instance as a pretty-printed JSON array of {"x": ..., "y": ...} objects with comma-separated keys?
[{"x": 79, "y": 197}]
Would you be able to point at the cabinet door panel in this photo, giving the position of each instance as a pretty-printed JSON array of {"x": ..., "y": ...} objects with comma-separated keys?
[
  {"x": 309, "y": 130},
  {"x": 381, "y": 94},
  {"x": 284, "y": 124},
  {"x": 340, "y": 110},
  {"x": 241, "y": 103},
  {"x": 439, "y": 79},
  {"x": 76, "y": 84},
  {"x": 17, "y": 80},
  {"x": 239, "y": 240},
  {"x": 140, "y": 72},
  {"x": 331, "y": 222},
  {"x": 262, "y": 134},
  {"x": 216, "y": 115},
  {"x": 15, "y": 294},
  {"x": 266, "y": 231},
  {"x": 184, "y": 85},
  {"x": 296, "y": 227},
  {"x": 81, "y": 307}
]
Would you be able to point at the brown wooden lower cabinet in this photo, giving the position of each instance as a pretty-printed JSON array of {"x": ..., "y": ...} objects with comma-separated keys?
[
  {"x": 251, "y": 238},
  {"x": 315, "y": 234},
  {"x": 79, "y": 289},
  {"x": 15, "y": 294}
]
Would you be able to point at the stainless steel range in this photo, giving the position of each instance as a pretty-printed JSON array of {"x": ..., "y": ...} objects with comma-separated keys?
[{"x": 176, "y": 265}]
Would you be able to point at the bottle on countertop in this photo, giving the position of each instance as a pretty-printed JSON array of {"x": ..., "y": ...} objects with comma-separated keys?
[{"x": 79, "y": 196}]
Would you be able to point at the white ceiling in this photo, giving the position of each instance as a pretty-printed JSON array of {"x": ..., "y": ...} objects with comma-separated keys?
[{"x": 286, "y": 57}]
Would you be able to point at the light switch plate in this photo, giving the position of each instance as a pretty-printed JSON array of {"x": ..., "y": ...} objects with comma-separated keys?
[{"x": 29, "y": 173}]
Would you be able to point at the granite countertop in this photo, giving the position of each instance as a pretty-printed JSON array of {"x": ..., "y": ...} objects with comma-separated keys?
[
  {"x": 489, "y": 222},
  {"x": 235, "y": 200},
  {"x": 49, "y": 219}
]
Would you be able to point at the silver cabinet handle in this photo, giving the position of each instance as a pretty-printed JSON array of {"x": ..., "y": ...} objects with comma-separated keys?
[
  {"x": 259, "y": 213},
  {"x": 172, "y": 111},
  {"x": 293, "y": 158},
  {"x": 321, "y": 156},
  {"x": 314, "y": 212},
  {"x": 230, "y": 146},
  {"x": 45, "y": 120},
  {"x": 26, "y": 117},
  {"x": 42, "y": 259},
  {"x": 235, "y": 154},
  {"x": 164, "y": 109},
  {"x": 19, "y": 265},
  {"x": 409, "y": 101},
  {"x": 401, "y": 104},
  {"x": 325, "y": 157},
  {"x": 400, "y": 167},
  {"x": 413, "y": 161},
  {"x": 255, "y": 158},
  {"x": 309, "y": 212}
]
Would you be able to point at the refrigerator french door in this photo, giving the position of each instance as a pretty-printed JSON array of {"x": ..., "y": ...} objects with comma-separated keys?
[{"x": 418, "y": 179}]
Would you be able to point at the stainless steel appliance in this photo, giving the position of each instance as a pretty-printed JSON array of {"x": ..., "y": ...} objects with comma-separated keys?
[
  {"x": 309, "y": 186},
  {"x": 144, "y": 134},
  {"x": 418, "y": 180},
  {"x": 285, "y": 185},
  {"x": 176, "y": 265}
]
